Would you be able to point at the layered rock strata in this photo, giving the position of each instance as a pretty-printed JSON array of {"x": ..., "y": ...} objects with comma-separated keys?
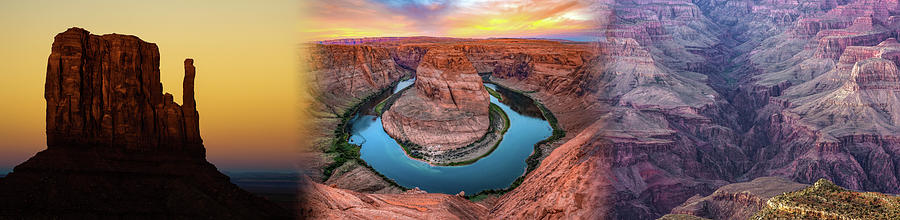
[
  {"x": 342, "y": 77},
  {"x": 323, "y": 202},
  {"x": 118, "y": 147},
  {"x": 447, "y": 108},
  {"x": 825, "y": 103}
]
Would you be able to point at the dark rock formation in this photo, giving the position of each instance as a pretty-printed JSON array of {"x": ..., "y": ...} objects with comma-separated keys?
[
  {"x": 105, "y": 91},
  {"x": 117, "y": 146}
]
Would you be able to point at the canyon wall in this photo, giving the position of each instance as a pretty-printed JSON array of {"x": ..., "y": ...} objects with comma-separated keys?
[
  {"x": 824, "y": 104},
  {"x": 727, "y": 91}
]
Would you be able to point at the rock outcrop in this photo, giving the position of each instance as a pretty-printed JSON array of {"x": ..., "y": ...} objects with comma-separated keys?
[
  {"x": 446, "y": 109},
  {"x": 117, "y": 146},
  {"x": 825, "y": 200},
  {"x": 105, "y": 91},
  {"x": 737, "y": 200},
  {"x": 323, "y": 202}
]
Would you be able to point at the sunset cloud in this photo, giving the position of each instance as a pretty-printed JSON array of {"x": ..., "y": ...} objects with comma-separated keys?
[{"x": 570, "y": 19}]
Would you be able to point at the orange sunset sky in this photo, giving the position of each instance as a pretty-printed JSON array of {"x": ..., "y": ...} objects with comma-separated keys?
[
  {"x": 249, "y": 84},
  {"x": 246, "y": 57}
]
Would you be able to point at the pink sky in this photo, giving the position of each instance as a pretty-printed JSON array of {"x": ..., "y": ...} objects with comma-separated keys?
[{"x": 567, "y": 19}]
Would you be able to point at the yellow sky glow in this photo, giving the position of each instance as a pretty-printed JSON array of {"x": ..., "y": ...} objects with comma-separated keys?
[{"x": 246, "y": 57}]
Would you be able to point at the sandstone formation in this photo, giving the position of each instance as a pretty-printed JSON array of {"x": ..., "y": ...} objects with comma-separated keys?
[
  {"x": 358, "y": 178},
  {"x": 117, "y": 146},
  {"x": 343, "y": 76},
  {"x": 105, "y": 91},
  {"x": 446, "y": 109},
  {"x": 323, "y": 202}
]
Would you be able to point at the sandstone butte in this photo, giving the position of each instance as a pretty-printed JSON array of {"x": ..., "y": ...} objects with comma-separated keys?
[
  {"x": 117, "y": 146},
  {"x": 690, "y": 96},
  {"x": 446, "y": 109}
]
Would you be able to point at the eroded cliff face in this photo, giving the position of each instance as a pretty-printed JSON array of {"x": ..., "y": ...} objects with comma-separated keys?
[
  {"x": 824, "y": 104},
  {"x": 105, "y": 91},
  {"x": 727, "y": 91},
  {"x": 343, "y": 74},
  {"x": 566, "y": 183},
  {"x": 446, "y": 109},
  {"x": 840, "y": 125},
  {"x": 118, "y": 147},
  {"x": 342, "y": 77}
]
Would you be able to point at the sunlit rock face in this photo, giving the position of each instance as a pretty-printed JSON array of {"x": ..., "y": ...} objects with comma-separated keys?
[{"x": 447, "y": 108}]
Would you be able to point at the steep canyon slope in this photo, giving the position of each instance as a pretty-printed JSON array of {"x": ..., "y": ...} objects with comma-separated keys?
[{"x": 798, "y": 90}]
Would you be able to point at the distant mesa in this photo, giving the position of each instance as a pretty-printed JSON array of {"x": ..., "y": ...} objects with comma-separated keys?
[{"x": 117, "y": 146}]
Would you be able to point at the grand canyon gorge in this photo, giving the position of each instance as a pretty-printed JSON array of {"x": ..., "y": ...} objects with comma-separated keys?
[{"x": 428, "y": 109}]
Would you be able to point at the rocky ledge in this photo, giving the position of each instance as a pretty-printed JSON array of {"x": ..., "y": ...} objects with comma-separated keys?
[
  {"x": 445, "y": 111},
  {"x": 737, "y": 200}
]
